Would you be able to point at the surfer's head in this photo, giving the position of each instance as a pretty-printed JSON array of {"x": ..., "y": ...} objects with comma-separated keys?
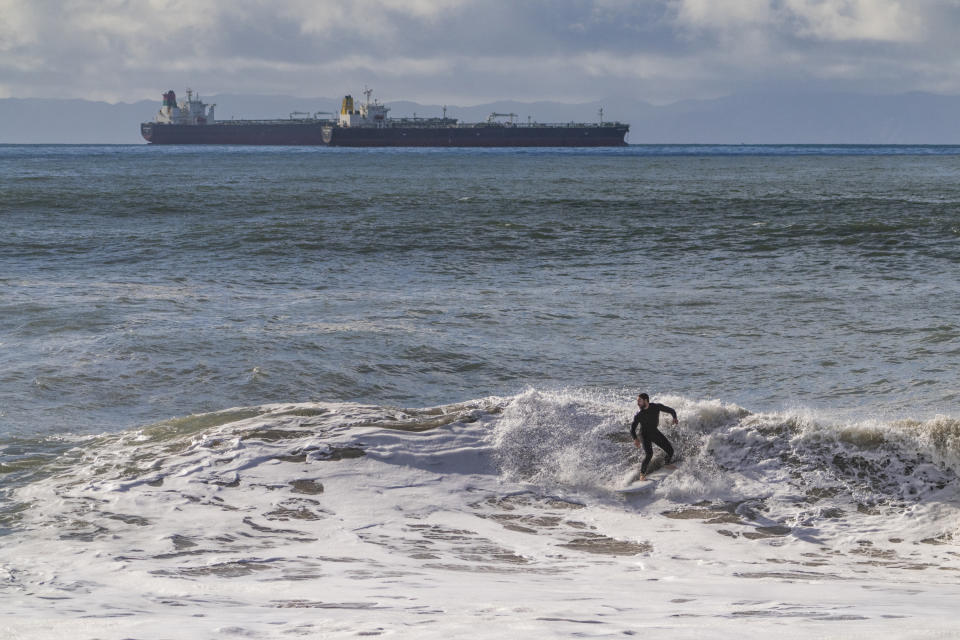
[{"x": 643, "y": 401}]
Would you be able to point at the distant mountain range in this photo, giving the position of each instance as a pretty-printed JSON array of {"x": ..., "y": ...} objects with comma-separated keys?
[{"x": 825, "y": 118}]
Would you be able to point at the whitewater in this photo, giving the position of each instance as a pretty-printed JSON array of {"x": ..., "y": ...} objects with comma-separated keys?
[
  {"x": 282, "y": 392},
  {"x": 491, "y": 518}
]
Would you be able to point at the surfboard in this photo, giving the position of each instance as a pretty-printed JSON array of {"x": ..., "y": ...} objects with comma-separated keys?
[{"x": 653, "y": 479}]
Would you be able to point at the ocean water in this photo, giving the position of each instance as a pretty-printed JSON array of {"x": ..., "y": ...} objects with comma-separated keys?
[{"x": 281, "y": 392}]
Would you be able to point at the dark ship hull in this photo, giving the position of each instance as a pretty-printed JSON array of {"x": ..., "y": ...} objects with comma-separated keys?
[
  {"x": 235, "y": 132},
  {"x": 317, "y": 133},
  {"x": 480, "y": 136}
]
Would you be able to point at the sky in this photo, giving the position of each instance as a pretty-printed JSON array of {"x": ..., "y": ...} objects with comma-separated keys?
[{"x": 476, "y": 51}]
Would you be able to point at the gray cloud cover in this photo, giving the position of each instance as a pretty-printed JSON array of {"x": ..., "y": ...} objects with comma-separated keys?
[{"x": 470, "y": 51}]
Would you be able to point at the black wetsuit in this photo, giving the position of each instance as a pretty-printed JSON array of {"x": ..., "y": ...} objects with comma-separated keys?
[{"x": 649, "y": 420}]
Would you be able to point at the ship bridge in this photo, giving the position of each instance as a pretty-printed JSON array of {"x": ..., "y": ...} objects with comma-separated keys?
[
  {"x": 190, "y": 111},
  {"x": 369, "y": 114}
]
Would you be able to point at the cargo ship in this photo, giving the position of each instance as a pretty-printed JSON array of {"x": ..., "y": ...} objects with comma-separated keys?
[{"x": 366, "y": 124}]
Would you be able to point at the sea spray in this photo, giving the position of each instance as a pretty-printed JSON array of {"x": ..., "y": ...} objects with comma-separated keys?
[
  {"x": 794, "y": 465},
  {"x": 871, "y": 461},
  {"x": 939, "y": 437},
  {"x": 569, "y": 438},
  {"x": 579, "y": 439},
  {"x": 271, "y": 519}
]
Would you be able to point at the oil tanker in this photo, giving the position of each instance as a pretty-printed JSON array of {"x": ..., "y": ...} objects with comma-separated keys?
[{"x": 366, "y": 124}]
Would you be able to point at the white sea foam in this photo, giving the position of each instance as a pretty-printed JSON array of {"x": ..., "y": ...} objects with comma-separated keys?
[{"x": 492, "y": 518}]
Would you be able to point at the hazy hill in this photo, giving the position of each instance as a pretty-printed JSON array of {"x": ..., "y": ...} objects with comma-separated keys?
[{"x": 915, "y": 118}]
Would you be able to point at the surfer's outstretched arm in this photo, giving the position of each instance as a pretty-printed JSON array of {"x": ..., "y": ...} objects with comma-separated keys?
[{"x": 669, "y": 410}]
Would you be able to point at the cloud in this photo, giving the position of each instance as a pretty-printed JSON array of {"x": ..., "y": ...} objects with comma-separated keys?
[
  {"x": 856, "y": 20},
  {"x": 475, "y": 50},
  {"x": 814, "y": 20},
  {"x": 722, "y": 15}
]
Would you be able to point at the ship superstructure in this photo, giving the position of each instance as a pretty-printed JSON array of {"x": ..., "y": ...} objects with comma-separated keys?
[
  {"x": 373, "y": 114},
  {"x": 367, "y": 124},
  {"x": 190, "y": 111}
]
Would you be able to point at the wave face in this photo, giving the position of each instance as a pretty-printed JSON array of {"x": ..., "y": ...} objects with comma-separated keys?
[{"x": 337, "y": 519}]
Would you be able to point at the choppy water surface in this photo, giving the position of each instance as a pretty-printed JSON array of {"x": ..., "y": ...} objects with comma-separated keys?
[
  {"x": 283, "y": 392},
  {"x": 144, "y": 283}
]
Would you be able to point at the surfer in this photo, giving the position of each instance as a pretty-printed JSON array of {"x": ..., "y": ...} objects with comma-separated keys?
[{"x": 649, "y": 419}]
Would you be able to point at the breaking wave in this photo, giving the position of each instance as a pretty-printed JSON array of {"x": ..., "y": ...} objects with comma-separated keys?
[
  {"x": 266, "y": 507},
  {"x": 579, "y": 439},
  {"x": 796, "y": 467}
]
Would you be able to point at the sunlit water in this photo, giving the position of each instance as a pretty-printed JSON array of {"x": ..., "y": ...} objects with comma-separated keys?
[
  {"x": 272, "y": 392},
  {"x": 139, "y": 283}
]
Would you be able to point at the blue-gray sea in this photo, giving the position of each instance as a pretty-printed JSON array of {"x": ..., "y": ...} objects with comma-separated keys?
[{"x": 139, "y": 284}]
